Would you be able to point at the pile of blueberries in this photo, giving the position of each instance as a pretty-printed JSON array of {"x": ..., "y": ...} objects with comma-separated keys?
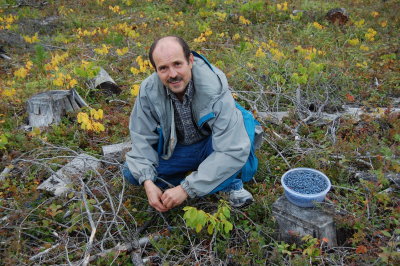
[{"x": 305, "y": 182}]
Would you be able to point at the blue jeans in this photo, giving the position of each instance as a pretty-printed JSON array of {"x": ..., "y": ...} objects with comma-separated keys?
[{"x": 186, "y": 158}]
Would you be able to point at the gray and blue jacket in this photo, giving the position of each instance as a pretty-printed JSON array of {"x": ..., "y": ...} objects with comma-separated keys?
[{"x": 153, "y": 133}]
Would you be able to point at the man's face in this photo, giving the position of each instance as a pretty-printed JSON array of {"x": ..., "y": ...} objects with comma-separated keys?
[{"x": 172, "y": 67}]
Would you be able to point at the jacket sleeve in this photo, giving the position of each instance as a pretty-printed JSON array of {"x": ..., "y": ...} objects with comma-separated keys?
[
  {"x": 231, "y": 146},
  {"x": 142, "y": 160}
]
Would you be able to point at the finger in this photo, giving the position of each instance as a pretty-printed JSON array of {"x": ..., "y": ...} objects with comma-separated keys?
[
  {"x": 166, "y": 198},
  {"x": 159, "y": 206},
  {"x": 165, "y": 195},
  {"x": 166, "y": 202}
]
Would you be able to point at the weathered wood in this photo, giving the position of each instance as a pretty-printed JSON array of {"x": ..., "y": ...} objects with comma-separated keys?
[
  {"x": 116, "y": 151},
  {"x": 295, "y": 222},
  {"x": 356, "y": 113},
  {"x": 136, "y": 258},
  {"x": 125, "y": 247},
  {"x": 105, "y": 82},
  {"x": 3, "y": 54},
  {"x": 5, "y": 172},
  {"x": 60, "y": 182},
  {"x": 48, "y": 107}
]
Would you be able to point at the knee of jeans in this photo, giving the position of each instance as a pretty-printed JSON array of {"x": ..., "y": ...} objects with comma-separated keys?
[{"x": 128, "y": 175}]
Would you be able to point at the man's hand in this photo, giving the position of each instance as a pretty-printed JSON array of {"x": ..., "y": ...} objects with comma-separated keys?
[
  {"x": 154, "y": 194},
  {"x": 173, "y": 197}
]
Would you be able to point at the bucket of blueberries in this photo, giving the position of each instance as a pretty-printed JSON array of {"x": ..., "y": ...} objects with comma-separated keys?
[{"x": 305, "y": 186}]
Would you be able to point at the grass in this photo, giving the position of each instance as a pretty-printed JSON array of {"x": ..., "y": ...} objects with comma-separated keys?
[{"x": 270, "y": 57}]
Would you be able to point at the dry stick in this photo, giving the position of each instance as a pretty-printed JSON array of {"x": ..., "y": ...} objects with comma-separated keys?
[
  {"x": 136, "y": 258},
  {"x": 251, "y": 221},
  {"x": 92, "y": 225},
  {"x": 276, "y": 149},
  {"x": 26, "y": 217},
  {"x": 115, "y": 213},
  {"x": 125, "y": 247},
  {"x": 119, "y": 101},
  {"x": 190, "y": 240},
  {"x": 44, "y": 252}
]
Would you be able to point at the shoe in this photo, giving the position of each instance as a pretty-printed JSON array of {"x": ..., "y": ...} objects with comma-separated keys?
[{"x": 240, "y": 198}]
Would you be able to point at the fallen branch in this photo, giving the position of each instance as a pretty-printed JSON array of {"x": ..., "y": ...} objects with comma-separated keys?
[
  {"x": 322, "y": 117},
  {"x": 125, "y": 247},
  {"x": 92, "y": 225},
  {"x": 44, "y": 252}
]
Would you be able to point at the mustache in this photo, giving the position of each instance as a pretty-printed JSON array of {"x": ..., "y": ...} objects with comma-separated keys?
[{"x": 175, "y": 79}]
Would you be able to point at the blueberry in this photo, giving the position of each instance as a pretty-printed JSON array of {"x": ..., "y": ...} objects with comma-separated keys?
[{"x": 305, "y": 182}]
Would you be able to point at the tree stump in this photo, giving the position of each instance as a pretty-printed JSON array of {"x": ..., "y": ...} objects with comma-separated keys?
[
  {"x": 338, "y": 16},
  {"x": 48, "y": 107},
  {"x": 104, "y": 82}
]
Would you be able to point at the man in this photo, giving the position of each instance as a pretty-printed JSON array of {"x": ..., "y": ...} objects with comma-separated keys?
[{"x": 187, "y": 132}]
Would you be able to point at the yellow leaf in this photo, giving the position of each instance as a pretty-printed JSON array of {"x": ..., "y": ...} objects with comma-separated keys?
[
  {"x": 33, "y": 39},
  {"x": 98, "y": 127},
  {"x": 135, "y": 90},
  {"x": 122, "y": 51},
  {"x": 134, "y": 70},
  {"x": 89, "y": 125},
  {"x": 208, "y": 32},
  {"x": 9, "y": 92},
  {"x": 318, "y": 26},
  {"x": 260, "y": 53},
  {"x": 103, "y": 50},
  {"x": 21, "y": 72},
  {"x": 359, "y": 23},
  {"x": 92, "y": 112},
  {"x": 28, "y": 65},
  {"x": 374, "y": 14},
  {"x": 244, "y": 21},
  {"x": 72, "y": 83},
  {"x": 100, "y": 113},
  {"x": 59, "y": 81},
  {"x": 364, "y": 47},
  {"x": 354, "y": 42}
]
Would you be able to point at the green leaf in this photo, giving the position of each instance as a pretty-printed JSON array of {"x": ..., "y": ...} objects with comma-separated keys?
[
  {"x": 302, "y": 69},
  {"x": 228, "y": 227},
  {"x": 198, "y": 228},
  {"x": 226, "y": 212},
  {"x": 210, "y": 229},
  {"x": 386, "y": 233}
]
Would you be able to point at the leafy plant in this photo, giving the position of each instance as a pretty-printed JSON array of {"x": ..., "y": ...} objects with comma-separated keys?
[
  {"x": 217, "y": 222},
  {"x": 40, "y": 57},
  {"x": 3, "y": 141}
]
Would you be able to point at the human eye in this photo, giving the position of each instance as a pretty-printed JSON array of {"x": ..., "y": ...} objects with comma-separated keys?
[{"x": 162, "y": 68}]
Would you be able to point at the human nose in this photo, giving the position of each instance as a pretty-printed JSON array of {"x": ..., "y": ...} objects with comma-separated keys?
[{"x": 172, "y": 72}]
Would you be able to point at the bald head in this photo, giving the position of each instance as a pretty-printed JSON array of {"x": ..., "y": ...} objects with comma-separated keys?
[{"x": 164, "y": 43}]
